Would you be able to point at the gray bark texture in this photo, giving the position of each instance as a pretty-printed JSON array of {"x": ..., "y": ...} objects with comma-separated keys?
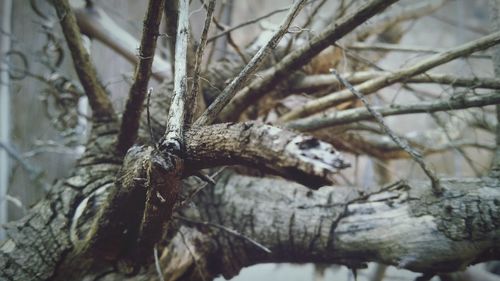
[{"x": 107, "y": 219}]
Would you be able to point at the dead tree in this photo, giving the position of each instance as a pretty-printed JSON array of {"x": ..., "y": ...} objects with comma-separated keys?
[{"x": 132, "y": 208}]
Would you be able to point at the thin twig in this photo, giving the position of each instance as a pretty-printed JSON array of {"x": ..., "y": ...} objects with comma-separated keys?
[
  {"x": 313, "y": 14},
  {"x": 256, "y": 20},
  {"x": 402, "y": 143},
  {"x": 135, "y": 102},
  {"x": 157, "y": 264},
  {"x": 327, "y": 80},
  {"x": 386, "y": 47},
  {"x": 222, "y": 9},
  {"x": 174, "y": 134},
  {"x": 102, "y": 109},
  {"x": 230, "y": 41},
  {"x": 151, "y": 136},
  {"x": 191, "y": 195},
  {"x": 227, "y": 94},
  {"x": 226, "y": 229},
  {"x": 191, "y": 98},
  {"x": 184, "y": 240}
]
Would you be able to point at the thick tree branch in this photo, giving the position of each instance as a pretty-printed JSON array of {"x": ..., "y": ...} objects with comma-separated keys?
[
  {"x": 294, "y": 156},
  {"x": 401, "y": 224},
  {"x": 102, "y": 109},
  {"x": 135, "y": 102},
  {"x": 228, "y": 93},
  {"x": 375, "y": 84},
  {"x": 301, "y": 57}
]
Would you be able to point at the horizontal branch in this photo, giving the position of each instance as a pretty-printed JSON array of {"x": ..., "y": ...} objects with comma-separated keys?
[
  {"x": 386, "y": 47},
  {"x": 401, "y": 224},
  {"x": 382, "y": 147},
  {"x": 291, "y": 155},
  {"x": 378, "y": 83},
  {"x": 313, "y": 82},
  {"x": 102, "y": 109},
  {"x": 253, "y": 21},
  {"x": 358, "y": 114}
]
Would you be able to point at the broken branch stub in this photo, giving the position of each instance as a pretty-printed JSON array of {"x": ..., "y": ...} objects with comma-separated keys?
[{"x": 292, "y": 155}]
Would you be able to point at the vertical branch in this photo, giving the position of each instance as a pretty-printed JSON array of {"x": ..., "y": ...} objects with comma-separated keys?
[
  {"x": 102, "y": 108},
  {"x": 171, "y": 18},
  {"x": 192, "y": 97},
  {"x": 137, "y": 94},
  {"x": 173, "y": 138},
  {"x": 495, "y": 25},
  {"x": 228, "y": 93}
]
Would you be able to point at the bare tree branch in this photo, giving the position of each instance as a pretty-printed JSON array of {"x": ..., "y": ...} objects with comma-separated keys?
[
  {"x": 256, "y": 20},
  {"x": 174, "y": 134},
  {"x": 228, "y": 93},
  {"x": 95, "y": 23},
  {"x": 102, "y": 109},
  {"x": 316, "y": 122},
  {"x": 135, "y": 102},
  {"x": 294, "y": 156},
  {"x": 314, "y": 82},
  {"x": 375, "y": 84},
  {"x": 194, "y": 94},
  {"x": 302, "y": 56},
  {"x": 415, "y": 155},
  {"x": 386, "y": 47}
]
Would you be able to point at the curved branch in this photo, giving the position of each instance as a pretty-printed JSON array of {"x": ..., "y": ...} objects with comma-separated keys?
[{"x": 294, "y": 156}]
